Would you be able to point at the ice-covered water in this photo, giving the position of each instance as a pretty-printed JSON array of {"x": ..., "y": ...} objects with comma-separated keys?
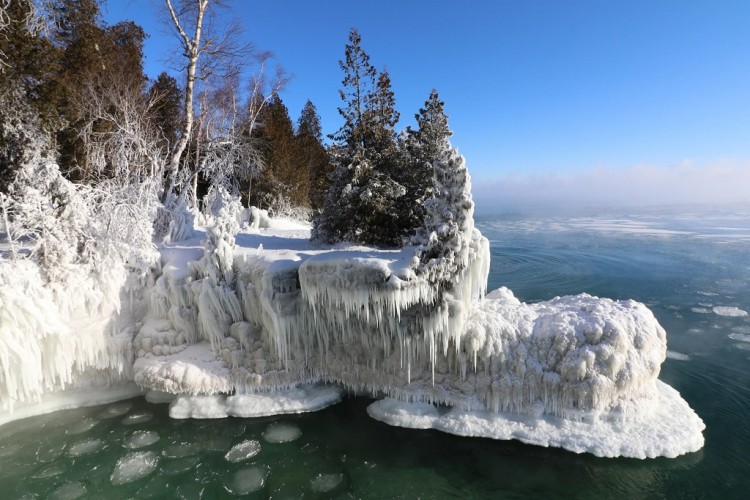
[{"x": 692, "y": 270}]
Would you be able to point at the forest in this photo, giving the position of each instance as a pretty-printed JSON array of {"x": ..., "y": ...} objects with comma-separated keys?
[{"x": 76, "y": 104}]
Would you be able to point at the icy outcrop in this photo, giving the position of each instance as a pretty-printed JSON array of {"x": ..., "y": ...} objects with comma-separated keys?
[
  {"x": 660, "y": 426},
  {"x": 260, "y": 328}
]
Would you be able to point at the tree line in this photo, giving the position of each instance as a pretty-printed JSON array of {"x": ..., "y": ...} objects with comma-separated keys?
[
  {"x": 69, "y": 77},
  {"x": 78, "y": 86}
]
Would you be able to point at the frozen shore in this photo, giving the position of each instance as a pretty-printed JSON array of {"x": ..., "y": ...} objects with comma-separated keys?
[{"x": 576, "y": 372}]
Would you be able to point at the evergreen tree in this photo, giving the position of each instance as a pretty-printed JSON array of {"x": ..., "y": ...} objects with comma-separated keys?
[
  {"x": 282, "y": 182},
  {"x": 312, "y": 156},
  {"x": 421, "y": 147},
  {"x": 361, "y": 205},
  {"x": 449, "y": 210}
]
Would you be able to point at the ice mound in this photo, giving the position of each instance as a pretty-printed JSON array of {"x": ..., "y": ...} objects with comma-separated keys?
[
  {"x": 296, "y": 400},
  {"x": 134, "y": 466},
  {"x": 664, "y": 426},
  {"x": 282, "y": 433},
  {"x": 198, "y": 407},
  {"x": 730, "y": 311},
  {"x": 248, "y": 480},
  {"x": 141, "y": 439},
  {"x": 323, "y": 483},
  {"x": 243, "y": 451},
  {"x": 86, "y": 447}
]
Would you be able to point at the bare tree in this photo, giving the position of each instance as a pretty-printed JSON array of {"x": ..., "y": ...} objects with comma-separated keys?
[{"x": 207, "y": 51}]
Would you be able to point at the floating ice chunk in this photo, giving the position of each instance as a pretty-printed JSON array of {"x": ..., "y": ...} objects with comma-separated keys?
[
  {"x": 740, "y": 336},
  {"x": 86, "y": 447},
  {"x": 137, "y": 418},
  {"x": 297, "y": 400},
  {"x": 700, "y": 310},
  {"x": 134, "y": 466},
  {"x": 243, "y": 451},
  {"x": 68, "y": 491},
  {"x": 281, "y": 433},
  {"x": 323, "y": 483},
  {"x": 248, "y": 480},
  {"x": 677, "y": 356},
  {"x": 51, "y": 471},
  {"x": 730, "y": 311},
  {"x": 82, "y": 426},
  {"x": 663, "y": 427},
  {"x": 198, "y": 407},
  {"x": 117, "y": 410},
  {"x": 141, "y": 439}
]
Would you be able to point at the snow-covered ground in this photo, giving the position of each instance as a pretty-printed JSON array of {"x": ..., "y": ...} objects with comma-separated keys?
[{"x": 260, "y": 334}]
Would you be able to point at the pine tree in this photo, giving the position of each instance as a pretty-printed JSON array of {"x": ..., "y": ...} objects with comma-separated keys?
[{"x": 312, "y": 156}]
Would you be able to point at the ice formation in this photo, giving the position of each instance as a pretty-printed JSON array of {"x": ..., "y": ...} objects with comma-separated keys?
[{"x": 257, "y": 321}]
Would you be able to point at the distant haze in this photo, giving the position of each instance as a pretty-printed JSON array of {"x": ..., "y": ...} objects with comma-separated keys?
[{"x": 721, "y": 183}]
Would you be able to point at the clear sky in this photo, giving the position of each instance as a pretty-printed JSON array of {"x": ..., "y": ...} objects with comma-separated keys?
[{"x": 550, "y": 101}]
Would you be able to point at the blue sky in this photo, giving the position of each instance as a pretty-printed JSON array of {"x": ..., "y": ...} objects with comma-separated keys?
[{"x": 537, "y": 91}]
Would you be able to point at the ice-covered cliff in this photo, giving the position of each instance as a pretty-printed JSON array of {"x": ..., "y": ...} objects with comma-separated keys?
[{"x": 262, "y": 321}]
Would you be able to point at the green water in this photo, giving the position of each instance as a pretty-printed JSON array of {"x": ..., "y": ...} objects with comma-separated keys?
[{"x": 681, "y": 266}]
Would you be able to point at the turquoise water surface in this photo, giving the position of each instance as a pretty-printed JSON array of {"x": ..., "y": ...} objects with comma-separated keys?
[{"x": 692, "y": 269}]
